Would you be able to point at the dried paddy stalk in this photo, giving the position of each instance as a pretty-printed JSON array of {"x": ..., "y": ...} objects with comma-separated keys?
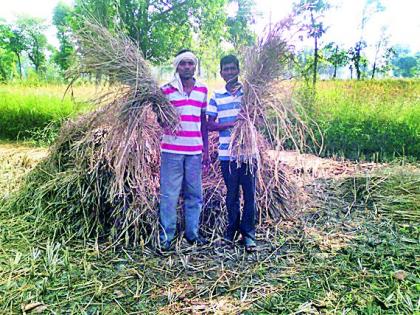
[{"x": 267, "y": 105}]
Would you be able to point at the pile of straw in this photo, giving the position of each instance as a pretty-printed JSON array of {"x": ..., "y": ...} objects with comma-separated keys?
[{"x": 101, "y": 177}]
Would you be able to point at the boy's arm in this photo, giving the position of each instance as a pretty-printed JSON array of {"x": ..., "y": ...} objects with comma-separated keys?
[
  {"x": 212, "y": 113},
  {"x": 212, "y": 125}
]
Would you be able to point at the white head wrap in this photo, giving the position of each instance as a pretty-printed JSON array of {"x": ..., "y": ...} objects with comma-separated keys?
[
  {"x": 185, "y": 55},
  {"x": 176, "y": 81}
]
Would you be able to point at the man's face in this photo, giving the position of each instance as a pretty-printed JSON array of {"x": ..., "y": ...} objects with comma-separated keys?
[
  {"x": 230, "y": 72},
  {"x": 186, "y": 69}
]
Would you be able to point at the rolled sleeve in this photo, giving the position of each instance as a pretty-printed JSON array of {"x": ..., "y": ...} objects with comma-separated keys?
[{"x": 212, "y": 108}]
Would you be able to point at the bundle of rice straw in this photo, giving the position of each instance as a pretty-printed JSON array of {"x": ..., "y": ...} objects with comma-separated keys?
[
  {"x": 266, "y": 106},
  {"x": 101, "y": 177}
]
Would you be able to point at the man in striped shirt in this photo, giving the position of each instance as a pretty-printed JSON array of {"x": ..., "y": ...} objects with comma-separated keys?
[
  {"x": 225, "y": 107},
  {"x": 183, "y": 152}
]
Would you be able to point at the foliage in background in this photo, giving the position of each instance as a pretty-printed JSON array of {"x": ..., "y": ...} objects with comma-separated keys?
[
  {"x": 32, "y": 32},
  {"x": 160, "y": 28},
  {"x": 238, "y": 24},
  {"x": 208, "y": 45},
  {"x": 359, "y": 61},
  {"x": 210, "y": 28},
  {"x": 376, "y": 120},
  {"x": 62, "y": 21},
  {"x": 335, "y": 56},
  {"x": 383, "y": 54},
  {"x": 405, "y": 64},
  {"x": 313, "y": 10},
  {"x": 10, "y": 48}
]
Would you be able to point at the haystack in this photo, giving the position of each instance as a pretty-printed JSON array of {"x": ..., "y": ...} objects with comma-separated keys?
[{"x": 101, "y": 177}]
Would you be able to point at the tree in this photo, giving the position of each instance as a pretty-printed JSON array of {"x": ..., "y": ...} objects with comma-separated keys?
[
  {"x": 61, "y": 19},
  {"x": 11, "y": 41},
  {"x": 335, "y": 56},
  {"x": 358, "y": 60},
  {"x": 381, "y": 50},
  {"x": 161, "y": 28},
  {"x": 31, "y": 31},
  {"x": 416, "y": 71},
  {"x": 18, "y": 46},
  {"x": 312, "y": 10},
  {"x": 405, "y": 66},
  {"x": 238, "y": 25},
  {"x": 211, "y": 31},
  {"x": 383, "y": 63},
  {"x": 404, "y": 63},
  {"x": 303, "y": 64},
  {"x": 6, "y": 55}
]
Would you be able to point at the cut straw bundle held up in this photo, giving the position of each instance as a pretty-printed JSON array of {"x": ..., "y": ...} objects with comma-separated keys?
[{"x": 267, "y": 106}]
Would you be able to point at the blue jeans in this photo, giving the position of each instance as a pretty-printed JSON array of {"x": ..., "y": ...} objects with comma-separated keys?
[
  {"x": 235, "y": 177},
  {"x": 180, "y": 171}
]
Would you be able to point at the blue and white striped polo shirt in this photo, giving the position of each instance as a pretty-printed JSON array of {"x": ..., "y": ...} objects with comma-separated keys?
[{"x": 225, "y": 107}]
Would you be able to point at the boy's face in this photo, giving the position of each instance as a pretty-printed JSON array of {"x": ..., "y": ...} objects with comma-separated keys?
[
  {"x": 230, "y": 72},
  {"x": 186, "y": 69}
]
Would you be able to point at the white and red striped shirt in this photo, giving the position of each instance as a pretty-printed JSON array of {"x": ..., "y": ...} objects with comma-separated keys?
[{"x": 188, "y": 139}]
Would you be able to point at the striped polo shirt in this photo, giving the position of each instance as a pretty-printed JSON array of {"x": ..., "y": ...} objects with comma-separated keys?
[
  {"x": 225, "y": 107},
  {"x": 187, "y": 139}
]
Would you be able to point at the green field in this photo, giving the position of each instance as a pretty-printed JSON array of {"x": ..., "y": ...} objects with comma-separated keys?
[
  {"x": 366, "y": 120},
  {"x": 25, "y": 111},
  {"x": 377, "y": 120}
]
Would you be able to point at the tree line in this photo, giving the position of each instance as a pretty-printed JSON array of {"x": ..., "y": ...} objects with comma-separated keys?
[{"x": 162, "y": 27}]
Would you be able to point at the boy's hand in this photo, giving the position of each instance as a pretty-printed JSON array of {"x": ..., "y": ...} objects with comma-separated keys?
[{"x": 241, "y": 115}]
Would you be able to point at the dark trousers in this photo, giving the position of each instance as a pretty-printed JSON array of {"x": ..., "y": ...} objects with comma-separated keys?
[{"x": 235, "y": 177}]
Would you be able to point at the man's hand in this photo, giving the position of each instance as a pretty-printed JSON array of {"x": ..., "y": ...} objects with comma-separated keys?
[
  {"x": 168, "y": 131},
  {"x": 206, "y": 163}
]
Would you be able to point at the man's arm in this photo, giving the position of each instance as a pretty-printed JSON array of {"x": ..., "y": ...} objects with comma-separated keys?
[
  {"x": 204, "y": 132},
  {"x": 205, "y": 136}
]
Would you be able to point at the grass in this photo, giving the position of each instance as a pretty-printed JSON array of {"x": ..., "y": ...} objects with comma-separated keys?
[
  {"x": 25, "y": 111},
  {"x": 370, "y": 265},
  {"x": 375, "y": 120},
  {"x": 35, "y": 113},
  {"x": 343, "y": 256}
]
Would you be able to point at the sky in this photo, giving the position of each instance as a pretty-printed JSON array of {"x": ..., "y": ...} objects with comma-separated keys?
[{"x": 401, "y": 18}]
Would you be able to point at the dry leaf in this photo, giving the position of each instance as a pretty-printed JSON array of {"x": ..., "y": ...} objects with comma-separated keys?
[
  {"x": 400, "y": 275},
  {"x": 36, "y": 307}
]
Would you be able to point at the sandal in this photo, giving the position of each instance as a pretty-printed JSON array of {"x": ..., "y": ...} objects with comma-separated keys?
[{"x": 251, "y": 248}]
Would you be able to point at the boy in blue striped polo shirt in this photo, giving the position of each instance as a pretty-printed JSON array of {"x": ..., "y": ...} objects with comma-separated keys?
[{"x": 223, "y": 110}]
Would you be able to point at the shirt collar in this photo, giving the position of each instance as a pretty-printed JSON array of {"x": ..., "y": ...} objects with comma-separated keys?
[
  {"x": 196, "y": 84},
  {"x": 226, "y": 92}
]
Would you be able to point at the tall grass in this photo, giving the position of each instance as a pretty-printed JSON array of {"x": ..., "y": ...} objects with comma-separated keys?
[
  {"x": 25, "y": 109},
  {"x": 369, "y": 119}
]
